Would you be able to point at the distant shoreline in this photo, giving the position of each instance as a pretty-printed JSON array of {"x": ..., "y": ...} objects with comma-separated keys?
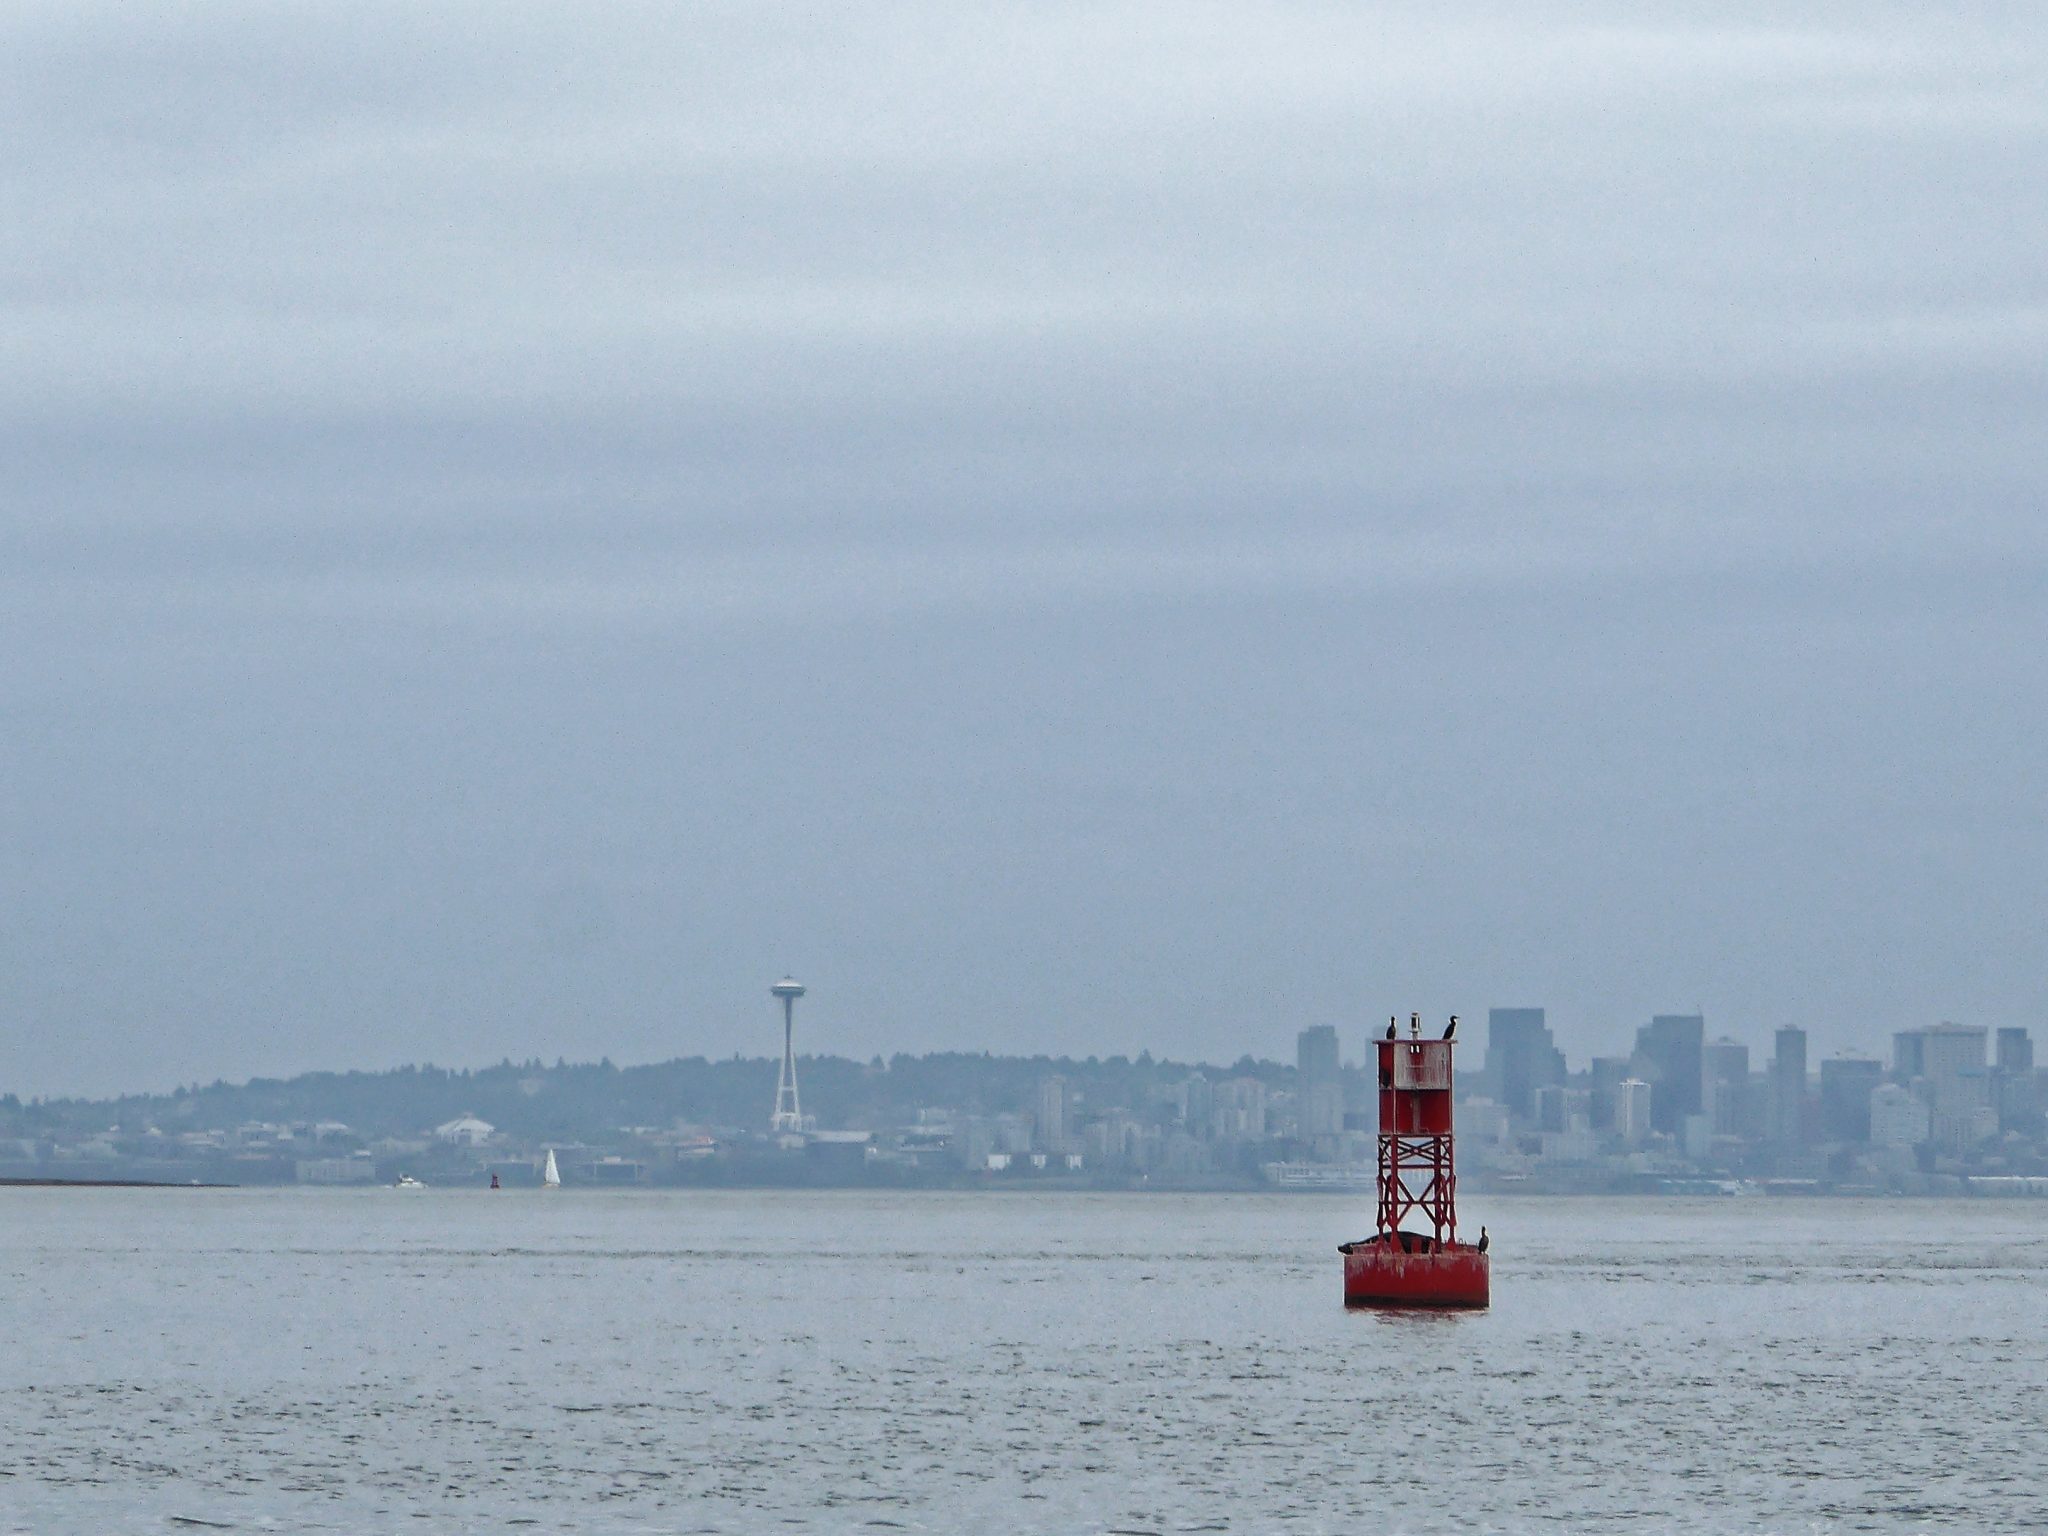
[{"x": 111, "y": 1184}]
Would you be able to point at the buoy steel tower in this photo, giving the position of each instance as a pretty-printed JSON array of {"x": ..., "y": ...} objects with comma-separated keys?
[
  {"x": 788, "y": 1117},
  {"x": 1414, "y": 1258}
]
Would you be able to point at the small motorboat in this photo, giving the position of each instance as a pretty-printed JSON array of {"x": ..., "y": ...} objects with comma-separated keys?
[{"x": 407, "y": 1181}]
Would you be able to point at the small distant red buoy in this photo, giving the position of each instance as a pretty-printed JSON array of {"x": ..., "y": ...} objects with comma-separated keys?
[
  {"x": 1414, "y": 1258},
  {"x": 494, "y": 1181}
]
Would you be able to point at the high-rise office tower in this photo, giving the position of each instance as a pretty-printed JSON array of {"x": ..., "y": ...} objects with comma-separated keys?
[
  {"x": 1727, "y": 1088},
  {"x": 1671, "y": 1057},
  {"x": 1521, "y": 1057},
  {"x": 1788, "y": 1087},
  {"x": 1632, "y": 1110},
  {"x": 2019, "y": 1101},
  {"x": 1909, "y": 1056},
  {"x": 1321, "y": 1105},
  {"x": 1846, "y": 1084}
]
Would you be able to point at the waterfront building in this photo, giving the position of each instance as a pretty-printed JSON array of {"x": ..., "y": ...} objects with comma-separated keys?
[{"x": 359, "y": 1169}]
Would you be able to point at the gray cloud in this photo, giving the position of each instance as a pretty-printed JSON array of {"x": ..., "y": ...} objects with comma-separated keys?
[{"x": 1171, "y": 522}]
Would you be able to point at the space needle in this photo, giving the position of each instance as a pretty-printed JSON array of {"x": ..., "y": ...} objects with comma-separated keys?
[{"x": 787, "y": 1117}]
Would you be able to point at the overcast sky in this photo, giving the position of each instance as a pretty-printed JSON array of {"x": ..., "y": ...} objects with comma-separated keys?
[{"x": 1072, "y": 529}]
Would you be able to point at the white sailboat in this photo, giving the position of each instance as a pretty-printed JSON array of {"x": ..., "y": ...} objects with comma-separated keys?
[{"x": 551, "y": 1176}]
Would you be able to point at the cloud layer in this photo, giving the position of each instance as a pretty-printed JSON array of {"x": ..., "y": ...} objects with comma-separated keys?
[{"x": 1087, "y": 526}]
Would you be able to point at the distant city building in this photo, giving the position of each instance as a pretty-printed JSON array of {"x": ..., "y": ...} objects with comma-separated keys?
[
  {"x": 1482, "y": 1122},
  {"x": 1909, "y": 1056},
  {"x": 1956, "y": 1084},
  {"x": 1321, "y": 1107},
  {"x": 1897, "y": 1119},
  {"x": 1574, "y": 1144},
  {"x": 1315, "y": 1052},
  {"x": 1671, "y": 1057},
  {"x": 1846, "y": 1086},
  {"x": 1113, "y": 1141},
  {"x": 1632, "y": 1111},
  {"x": 1952, "y": 1050},
  {"x": 2017, "y": 1088},
  {"x": 359, "y": 1169},
  {"x": 1241, "y": 1110},
  {"x": 1788, "y": 1087},
  {"x": 1520, "y": 1057},
  {"x": 1729, "y": 1102},
  {"x": 1606, "y": 1075},
  {"x": 1696, "y": 1137},
  {"x": 466, "y": 1131},
  {"x": 1053, "y": 1132}
]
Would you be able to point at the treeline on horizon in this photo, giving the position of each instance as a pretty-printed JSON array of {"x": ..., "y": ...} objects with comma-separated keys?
[{"x": 530, "y": 1099}]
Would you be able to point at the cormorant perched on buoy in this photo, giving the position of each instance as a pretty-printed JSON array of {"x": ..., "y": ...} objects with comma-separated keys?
[
  {"x": 1452, "y": 1028},
  {"x": 1392, "y": 1033},
  {"x": 1483, "y": 1239}
]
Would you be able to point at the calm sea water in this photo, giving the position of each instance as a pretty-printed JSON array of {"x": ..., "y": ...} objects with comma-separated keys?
[{"x": 377, "y": 1361}]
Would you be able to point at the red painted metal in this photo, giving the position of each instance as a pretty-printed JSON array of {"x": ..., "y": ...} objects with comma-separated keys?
[
  {"x": 1378, "y": 1274},
  {"x": 1414, "y": 1257}
]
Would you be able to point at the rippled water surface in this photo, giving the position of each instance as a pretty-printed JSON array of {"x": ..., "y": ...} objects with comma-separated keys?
[{"x": 372, "y": 1361}]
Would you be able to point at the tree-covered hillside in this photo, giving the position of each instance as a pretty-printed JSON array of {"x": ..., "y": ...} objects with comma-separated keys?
[{"x": 530, "y": 1099}]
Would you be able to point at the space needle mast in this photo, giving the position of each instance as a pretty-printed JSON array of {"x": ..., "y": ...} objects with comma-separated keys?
[{"x": 787, "y": 1116}]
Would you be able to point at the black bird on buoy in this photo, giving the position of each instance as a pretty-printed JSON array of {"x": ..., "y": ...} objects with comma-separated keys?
[
  {"x": 1482, "y": 1239},
  {"x": 1391, "y": 1032},
  {"x": 1452, "y": 1028}
]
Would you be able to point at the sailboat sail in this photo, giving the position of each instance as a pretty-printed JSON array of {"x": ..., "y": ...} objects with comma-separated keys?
[{"x": 551, "y": 1176}]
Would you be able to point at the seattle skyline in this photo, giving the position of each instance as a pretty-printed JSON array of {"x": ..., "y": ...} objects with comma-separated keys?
[{"x": 1353, "y": 1042}]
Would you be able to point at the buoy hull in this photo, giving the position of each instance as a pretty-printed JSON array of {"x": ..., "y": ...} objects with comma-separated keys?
[{"x": 1379, "y": 1274}]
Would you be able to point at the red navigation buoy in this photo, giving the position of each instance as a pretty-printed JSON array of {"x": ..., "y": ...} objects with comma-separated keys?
[{"x": 1414, "y": 1258}]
